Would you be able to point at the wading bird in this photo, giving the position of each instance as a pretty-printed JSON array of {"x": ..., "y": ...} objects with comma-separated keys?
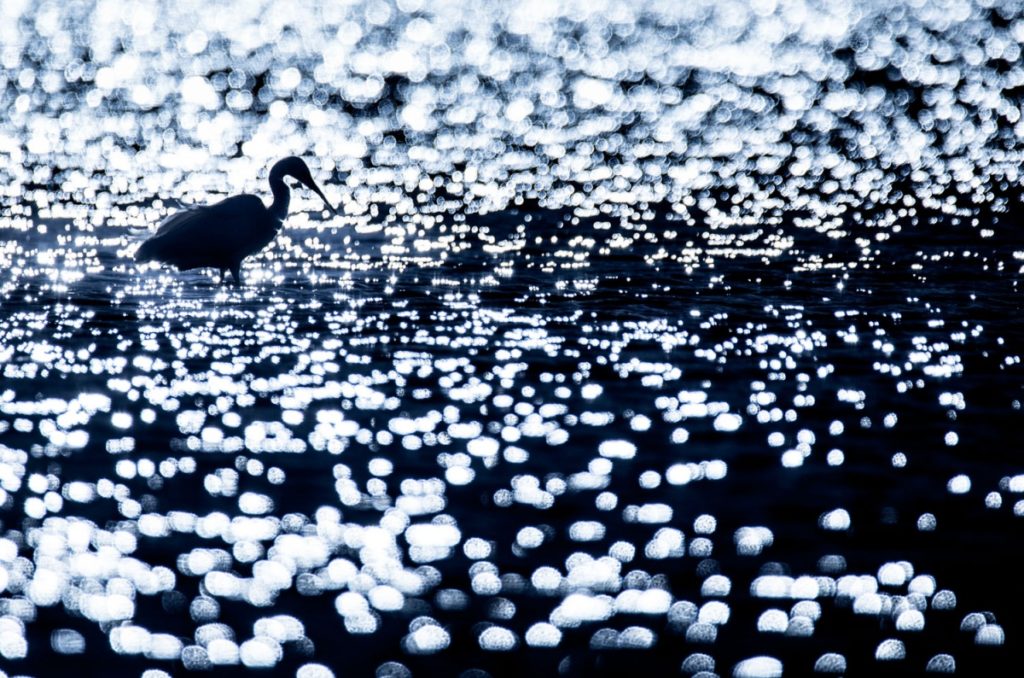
[{"x": 222, "y": 235}]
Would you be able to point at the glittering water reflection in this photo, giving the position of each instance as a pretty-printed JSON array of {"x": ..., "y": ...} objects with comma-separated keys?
[{"x": 680, "y": 336}]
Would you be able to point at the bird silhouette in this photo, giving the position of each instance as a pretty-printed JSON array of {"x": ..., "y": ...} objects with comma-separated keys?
[{"x": 223, "y": 234}]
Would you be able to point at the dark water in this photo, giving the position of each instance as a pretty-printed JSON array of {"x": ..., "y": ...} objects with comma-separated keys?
[{"x": 651, "y": 339}]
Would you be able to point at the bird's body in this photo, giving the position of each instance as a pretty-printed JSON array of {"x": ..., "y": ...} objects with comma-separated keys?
[{"x": 223, "y": 234}]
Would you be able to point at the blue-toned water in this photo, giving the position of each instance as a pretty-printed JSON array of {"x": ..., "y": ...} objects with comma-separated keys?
[{"x": 651, "y": 338}]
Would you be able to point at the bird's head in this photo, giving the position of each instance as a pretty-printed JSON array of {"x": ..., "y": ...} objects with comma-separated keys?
[{"x": 296, "y": 167}]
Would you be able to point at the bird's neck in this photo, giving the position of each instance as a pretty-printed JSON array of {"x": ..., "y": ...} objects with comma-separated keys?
[{"x": 279, "y": 189}]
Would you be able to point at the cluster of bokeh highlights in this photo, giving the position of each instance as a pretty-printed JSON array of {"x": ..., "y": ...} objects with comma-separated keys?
[{"x": 674, "y": 336}]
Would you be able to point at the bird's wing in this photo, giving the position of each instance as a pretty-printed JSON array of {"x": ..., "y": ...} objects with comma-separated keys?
[
  {"x": 179, "y": 220},
  {"x": 211, "y": 231},
  {"x": 221, "y": 214}
]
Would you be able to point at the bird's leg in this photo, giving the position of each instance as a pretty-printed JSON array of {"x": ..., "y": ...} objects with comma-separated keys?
[{"x": 236, "y": 271}]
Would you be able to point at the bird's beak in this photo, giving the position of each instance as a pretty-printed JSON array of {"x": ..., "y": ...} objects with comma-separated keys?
[{"x": 311, "y": 185}]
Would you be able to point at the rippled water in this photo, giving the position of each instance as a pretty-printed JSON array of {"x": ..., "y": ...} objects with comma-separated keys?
[{"x": 652, "y": 338}]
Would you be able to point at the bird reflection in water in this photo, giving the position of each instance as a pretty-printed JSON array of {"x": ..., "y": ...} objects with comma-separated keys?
[{"x": 224, "y": 234}]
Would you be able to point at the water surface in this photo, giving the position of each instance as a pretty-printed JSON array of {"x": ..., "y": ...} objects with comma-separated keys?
[{"x": 655, "y": 337}]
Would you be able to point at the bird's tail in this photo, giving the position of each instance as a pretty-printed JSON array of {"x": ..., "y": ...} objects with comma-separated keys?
[{"x": 146, "y": 252}]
